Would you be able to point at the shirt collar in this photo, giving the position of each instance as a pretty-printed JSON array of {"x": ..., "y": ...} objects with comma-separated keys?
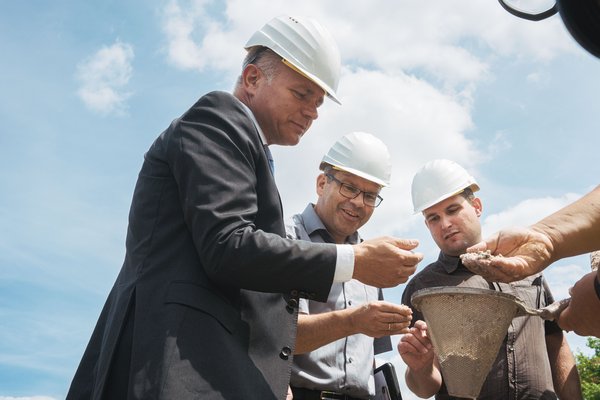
[
  {"x": 312, "y": 223},
  {"x": 263, "y": 138},
  {"x": 450, "y": 263}
]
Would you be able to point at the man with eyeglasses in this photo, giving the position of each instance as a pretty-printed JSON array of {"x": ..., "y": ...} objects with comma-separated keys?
[{"x": 337, "y": 340}]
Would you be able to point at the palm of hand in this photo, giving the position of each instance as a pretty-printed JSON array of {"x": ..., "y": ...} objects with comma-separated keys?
[{"x": 517, "y": 253}]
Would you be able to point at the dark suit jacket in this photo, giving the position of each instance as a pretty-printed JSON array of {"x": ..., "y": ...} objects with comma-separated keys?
[{"x": 205, "y": 305}]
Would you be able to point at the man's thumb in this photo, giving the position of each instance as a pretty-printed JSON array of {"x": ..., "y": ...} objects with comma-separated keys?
[{"x": 407, "y": 244}]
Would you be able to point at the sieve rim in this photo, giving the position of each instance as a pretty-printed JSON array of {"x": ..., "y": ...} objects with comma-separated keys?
[{"x": 421, "y": 294}]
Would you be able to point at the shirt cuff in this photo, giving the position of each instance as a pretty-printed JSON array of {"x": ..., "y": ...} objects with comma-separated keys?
[{"x": 344, "y": 263}]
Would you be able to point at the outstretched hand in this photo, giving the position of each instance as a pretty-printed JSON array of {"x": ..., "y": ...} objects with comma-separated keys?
[
  {"x": 416, "y": 348},
  {"x": 385, "y": 261},
  {"x": 516, "y": 253},
  {"x": 381, "y": 318},
  {"x": 581, "y": 315}
]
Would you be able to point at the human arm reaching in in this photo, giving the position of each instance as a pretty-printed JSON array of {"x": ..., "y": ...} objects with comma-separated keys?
[
  {"x": 423, "y": 376},
  {"x": 375, "y": 319},
  {"x": 573, "y": 230},
  {"x": 562, "y": 364},
  {"x": 581, "y": 315}
]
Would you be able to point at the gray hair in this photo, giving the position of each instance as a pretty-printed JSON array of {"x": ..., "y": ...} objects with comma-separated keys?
[
  {"x": 326, "y": 168},
  {"x": 264, "y": 59}
]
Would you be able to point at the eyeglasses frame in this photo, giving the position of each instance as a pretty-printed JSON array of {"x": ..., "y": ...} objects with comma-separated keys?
[{"x": 378, "y": 198}]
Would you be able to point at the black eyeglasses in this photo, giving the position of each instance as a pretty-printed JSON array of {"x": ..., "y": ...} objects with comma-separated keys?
[{"x": 350, "y": 192}]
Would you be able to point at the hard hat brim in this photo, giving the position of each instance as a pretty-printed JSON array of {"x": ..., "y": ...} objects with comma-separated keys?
[
  {"x": 328, "y": 91},
  {"x": 363, "y": 175}
]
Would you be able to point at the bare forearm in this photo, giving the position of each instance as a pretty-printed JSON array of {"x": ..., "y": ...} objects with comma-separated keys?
[
  {"x": 424, "y": 383},
  {"x": 564, "y": 371},
  {"x": 575, "y": 229},
  {"x": 318, "y": 330}
]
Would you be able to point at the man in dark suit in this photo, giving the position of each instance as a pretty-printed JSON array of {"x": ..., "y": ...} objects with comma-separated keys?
[{"x": 205, "y": 305}]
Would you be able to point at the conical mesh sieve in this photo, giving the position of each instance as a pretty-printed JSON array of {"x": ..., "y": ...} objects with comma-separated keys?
[{"x": 467, "y": 327}]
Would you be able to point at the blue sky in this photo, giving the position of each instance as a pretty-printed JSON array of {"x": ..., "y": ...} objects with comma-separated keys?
[{"x": 87, "y": 86}]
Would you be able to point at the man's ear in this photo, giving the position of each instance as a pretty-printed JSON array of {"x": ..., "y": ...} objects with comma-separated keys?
[
  {"x": 321, "y": 180},
  {"x": 476, "y": 202},
  {"x": 250, "y": 77}
]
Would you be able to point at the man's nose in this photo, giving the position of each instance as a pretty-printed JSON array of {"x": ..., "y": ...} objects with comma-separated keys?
[
  {"x": 311, "y": 111},
  {"x": 446, "y": 222},
  {"x": 358, "y": 200}
]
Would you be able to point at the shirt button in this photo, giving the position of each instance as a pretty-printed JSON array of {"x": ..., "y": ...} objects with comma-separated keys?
[
  {"x": 511, "y": 348},
  {"x": 291, "y": 306},
  {"x": 349, "y": 302},
  {"x": 350, "y": 360},
  {"x": 285, "y": 353}
]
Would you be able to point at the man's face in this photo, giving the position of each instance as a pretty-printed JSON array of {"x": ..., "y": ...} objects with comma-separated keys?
[
  {"x": 286, "y": 107},
  {"x": 454, "y": 224},
  {"x": 340, "y": 215}
]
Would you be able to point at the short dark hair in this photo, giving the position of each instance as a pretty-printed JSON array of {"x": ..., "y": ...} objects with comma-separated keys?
[{"x": 467, "y": 193}]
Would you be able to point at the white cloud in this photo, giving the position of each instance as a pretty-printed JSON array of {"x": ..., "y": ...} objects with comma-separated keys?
[
  {"x": 452, "y": 42},
  {"x": 562, "y": 275},
  {"x": 534, "y": 77},
  {"x": 196, "y": 40},
  {"x": 497, "y": 145},
  {"x": 104, "y": 76},
  {"x": 179, "y": 26},
  {"x": 526, "y": 212}
]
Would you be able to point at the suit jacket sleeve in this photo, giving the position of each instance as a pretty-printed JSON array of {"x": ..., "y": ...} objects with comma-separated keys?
[{"x": 231, "y": 206}]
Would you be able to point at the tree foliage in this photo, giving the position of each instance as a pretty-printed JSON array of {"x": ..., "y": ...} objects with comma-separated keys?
[{"x": 589, "y": 370}]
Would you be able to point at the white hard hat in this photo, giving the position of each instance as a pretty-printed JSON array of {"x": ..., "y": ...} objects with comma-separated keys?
[
  {"x": 438, "y": 180},
  {"x": 361, "y": 154},
  {"x": 306, "y": 46}
]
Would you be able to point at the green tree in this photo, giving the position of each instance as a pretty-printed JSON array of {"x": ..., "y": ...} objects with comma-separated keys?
[{"x": 589, "y": 370}]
